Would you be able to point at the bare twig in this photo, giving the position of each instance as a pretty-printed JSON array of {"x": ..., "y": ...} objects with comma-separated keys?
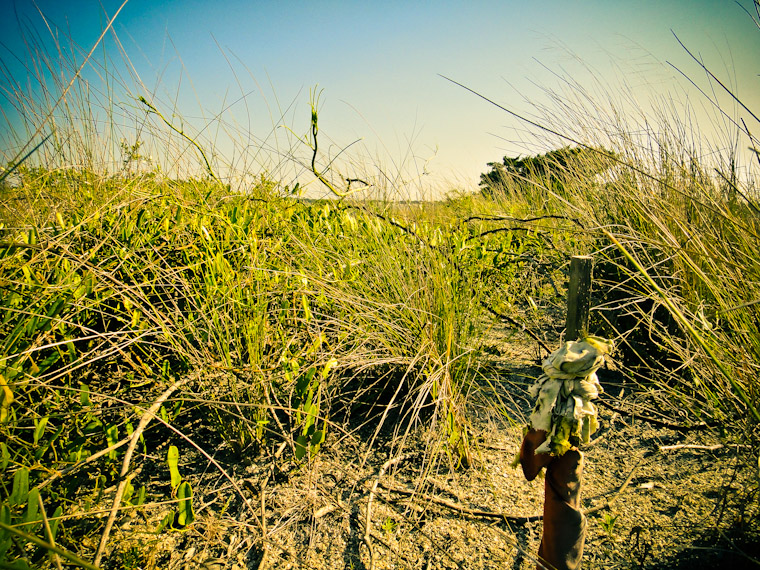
[
  {"x": 522, "y": 220},
  {"x": 622, "y": 488},
  {"x": 443, "y": 551},
  {"x": 517, "y": 324},
  {"x": 152, "y": 109},
  {"x": 478, "y": 513},
  {"x": 123, "y": 478},
  {"x": 264, "y": 543},
  {"x": 83, "y": 462},
  {"x": 692, "y": 446},
  {"x": 517, "y": 228},
  {"x": 320, "y": 176},
  {"x": 655, "y": 421},
  {"x": 368, "y": 517},
  {"x": 47, "y": 546},
  {"x": 215, "y": 463},
  {"x": 390, "y": 221}
]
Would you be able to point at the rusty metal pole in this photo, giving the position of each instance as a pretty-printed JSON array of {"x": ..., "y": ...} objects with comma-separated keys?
[
  {"x": 564, "y": 524},
  {"x": 578, "y": 297}
]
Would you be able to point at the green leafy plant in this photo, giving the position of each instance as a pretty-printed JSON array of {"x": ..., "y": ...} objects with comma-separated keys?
[
  {"x": 607, "y": 523},
  {"x": 184, "y": 514},
  {"x": 389, "y": 525}
]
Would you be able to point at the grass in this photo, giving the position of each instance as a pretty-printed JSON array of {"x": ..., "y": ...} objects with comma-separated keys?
[
  {"x": 275, "y": 326},
  {"x": 272, "y": 305}
]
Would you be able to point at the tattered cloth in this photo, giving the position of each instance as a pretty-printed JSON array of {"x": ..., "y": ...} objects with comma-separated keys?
[{"x": 564, "y": 392}]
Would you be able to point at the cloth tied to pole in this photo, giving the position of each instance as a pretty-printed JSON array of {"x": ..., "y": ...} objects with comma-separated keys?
[
  {"x": 564, "y": 392},
  {"x": 562, "y": 419}
]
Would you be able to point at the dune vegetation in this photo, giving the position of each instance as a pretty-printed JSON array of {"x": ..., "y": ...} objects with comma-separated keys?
[{"x": 159, "y": 325}]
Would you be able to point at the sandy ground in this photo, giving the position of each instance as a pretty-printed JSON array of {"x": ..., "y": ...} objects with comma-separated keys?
[{"x": 662, "y": 499}]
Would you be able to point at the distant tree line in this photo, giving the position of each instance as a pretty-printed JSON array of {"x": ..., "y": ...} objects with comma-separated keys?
[{"x": 551, "y": 169}]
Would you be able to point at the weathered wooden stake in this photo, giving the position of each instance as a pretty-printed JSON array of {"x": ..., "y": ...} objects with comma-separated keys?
[{"x": 578, "y": 294}]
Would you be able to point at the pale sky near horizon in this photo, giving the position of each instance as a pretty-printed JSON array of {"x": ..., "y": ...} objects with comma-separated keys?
[{"x": 379, "y": 65}]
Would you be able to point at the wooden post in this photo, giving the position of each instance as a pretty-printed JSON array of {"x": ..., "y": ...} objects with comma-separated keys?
[{"x": 578, "y": 292}]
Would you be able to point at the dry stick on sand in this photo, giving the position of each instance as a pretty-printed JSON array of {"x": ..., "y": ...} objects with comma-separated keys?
[
  {"x": 368, "y": 519},
  {"x": 655, "y": 421},
  {"x": 123, "y": 479},
  {"x": 264, "y": 544},
  {"x": 263, "y": 506},
  {"x": 622, "y": 488},
  {"x": 715, "y": 447},
  {"x": 478, "y": 513},
  {"x": 482, "y": 513},
  {"x": 340, "y": 505}
]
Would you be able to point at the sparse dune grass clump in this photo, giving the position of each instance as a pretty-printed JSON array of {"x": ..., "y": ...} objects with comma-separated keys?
[
  {"x": 178, "y": 335},
  {"x": 276, "y": 321},
  {"x": 672, "y": 222}
]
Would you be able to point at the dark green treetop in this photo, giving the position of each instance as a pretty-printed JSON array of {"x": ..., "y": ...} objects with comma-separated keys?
[{"x": 551, "y": 169}]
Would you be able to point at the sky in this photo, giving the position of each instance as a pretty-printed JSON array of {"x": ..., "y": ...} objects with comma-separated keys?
[{"x": 241, "y": 73}]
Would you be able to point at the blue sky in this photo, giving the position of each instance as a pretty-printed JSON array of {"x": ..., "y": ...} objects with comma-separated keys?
[{"x": 378, "y": 66}]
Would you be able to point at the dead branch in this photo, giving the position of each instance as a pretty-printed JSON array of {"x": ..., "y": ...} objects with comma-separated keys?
[
  {"x": 692, "y": 446},
  {"x": 654, "y": 421},
  {"x": 517, "y": 324},
  {"x": 264, "y": 543},
  {"x": 482, "y": 513}
]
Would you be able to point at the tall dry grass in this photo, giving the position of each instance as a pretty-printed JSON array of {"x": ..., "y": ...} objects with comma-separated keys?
[
  {"x": 135, "y": 279},
  {"x": 670, "y": 211}
]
